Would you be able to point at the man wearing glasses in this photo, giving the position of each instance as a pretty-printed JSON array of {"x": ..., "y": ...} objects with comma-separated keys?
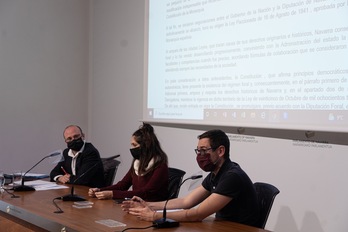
[
  {"x": 81, "y": 163},
  {"x": 226, "y": 191}
]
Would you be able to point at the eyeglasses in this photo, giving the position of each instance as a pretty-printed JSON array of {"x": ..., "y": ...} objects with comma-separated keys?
[
  {"x": 74, "y": 137},
  {"x": 203, "y": 151}
]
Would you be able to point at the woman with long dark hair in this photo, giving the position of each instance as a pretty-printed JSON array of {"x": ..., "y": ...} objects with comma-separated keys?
[{"x": 148, "y": 174}]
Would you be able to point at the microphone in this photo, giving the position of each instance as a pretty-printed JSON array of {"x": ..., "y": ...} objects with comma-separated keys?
[
  {"x": 22, "y": 187},
  {"x": 165, "y": 222},
  {"x": 72, "y": 196}
]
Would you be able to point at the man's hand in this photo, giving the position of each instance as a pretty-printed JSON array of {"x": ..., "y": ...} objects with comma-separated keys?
[
  {"x": 64, "y": 179},
  {"x": 144, "y": 213},
  {"x": 138, "y": 207},
  {"x": 135, "y": 202}
]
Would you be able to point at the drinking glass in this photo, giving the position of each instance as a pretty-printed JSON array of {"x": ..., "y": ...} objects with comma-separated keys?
[
  {"x": 2, "y": 181},
  {"x": 16, "y": 178}
]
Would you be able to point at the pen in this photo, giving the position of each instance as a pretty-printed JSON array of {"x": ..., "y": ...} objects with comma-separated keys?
[
  {"x": 63, "y": 170},
  {"x": 131, "y": 199}
]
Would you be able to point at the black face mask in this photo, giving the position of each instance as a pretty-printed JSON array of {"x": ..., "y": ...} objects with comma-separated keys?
[
  {"x": 135, "y": 152},
  {"x": 76, "y": 144}
]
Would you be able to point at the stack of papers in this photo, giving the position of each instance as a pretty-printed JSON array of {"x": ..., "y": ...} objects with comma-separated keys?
[
  {"x": 29, "y": 176},
  {"x": 110, "y": 223},
  {"x": 43, "y": 185},
  {"x": 35, "y": 176}
]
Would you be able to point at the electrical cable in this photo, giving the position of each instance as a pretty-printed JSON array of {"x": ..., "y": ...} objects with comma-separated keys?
[
  {"x": 59, "y": 210},
  {"x": 12, "y": 194},
  {"x": 137, "y": 228}
]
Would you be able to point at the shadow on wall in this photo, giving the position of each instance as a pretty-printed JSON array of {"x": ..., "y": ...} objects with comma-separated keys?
[{"x": 286, "y": 222}]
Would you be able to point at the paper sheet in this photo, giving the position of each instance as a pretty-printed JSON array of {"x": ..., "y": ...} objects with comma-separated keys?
[
  {"x": 43, "y": 185},
  {"x": 110, "y": 223}
]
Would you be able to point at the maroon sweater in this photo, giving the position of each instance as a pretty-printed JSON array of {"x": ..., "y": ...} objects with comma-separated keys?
[{"x": 151, "y": 187}]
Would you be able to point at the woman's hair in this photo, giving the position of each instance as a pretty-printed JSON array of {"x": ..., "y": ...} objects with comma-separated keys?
[{"x": 150, "y": 148}]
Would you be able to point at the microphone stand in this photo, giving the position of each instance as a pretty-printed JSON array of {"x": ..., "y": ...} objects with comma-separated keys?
[
  {"x": 22, "y": 187},
  {"x": 72, "y": 196},
  {"x": 165, "y": 222}
]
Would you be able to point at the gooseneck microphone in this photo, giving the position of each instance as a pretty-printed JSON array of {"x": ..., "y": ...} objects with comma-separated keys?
[
  {"x": 22, "y": 187},
  {"x": 165, "y": 222},
  {"x": 72, "y": 196}
]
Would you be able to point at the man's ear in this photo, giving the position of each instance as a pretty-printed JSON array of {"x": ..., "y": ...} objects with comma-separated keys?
[{"x": 221, "y": 151}]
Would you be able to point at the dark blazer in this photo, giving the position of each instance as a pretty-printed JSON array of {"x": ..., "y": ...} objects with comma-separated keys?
[{"x": 86, "y": 173}]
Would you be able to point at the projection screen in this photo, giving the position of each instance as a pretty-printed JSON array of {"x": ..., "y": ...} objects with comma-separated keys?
[{"x": 261, "y": 64}]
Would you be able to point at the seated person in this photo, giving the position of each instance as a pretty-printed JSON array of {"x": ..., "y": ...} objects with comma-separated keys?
[
  {"x": 226, "y": 191},
  {"x": 148, "y": 174},
  {"x": 82, "y": 164}
]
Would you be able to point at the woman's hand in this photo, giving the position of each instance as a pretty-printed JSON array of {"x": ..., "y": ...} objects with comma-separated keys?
[
  {"x": 92, "y": 191},
  {"x": 102, "y": 195}
]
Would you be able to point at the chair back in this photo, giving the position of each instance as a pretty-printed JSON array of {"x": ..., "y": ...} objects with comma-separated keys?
[
  {"x": 266, "y": 194},
  {"x": 175, "y": 177},
  {"x": 110, "y": 165}
]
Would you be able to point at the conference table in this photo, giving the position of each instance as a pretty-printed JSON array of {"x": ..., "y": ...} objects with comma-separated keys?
[{"x": 35, "y": 211}]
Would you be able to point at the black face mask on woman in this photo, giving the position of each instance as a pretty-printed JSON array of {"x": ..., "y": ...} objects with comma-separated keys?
[
  {"x": 76, "y": 144},
  {"x": 136, "y": 152}
]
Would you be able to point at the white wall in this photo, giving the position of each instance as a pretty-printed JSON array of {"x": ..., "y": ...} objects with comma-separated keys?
[
  {"x": 117, "y": 76},
  {"x": 50, "y": 50},
  {"x": 43, "y": 78},
  {"x": 306, "y": 176}
]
